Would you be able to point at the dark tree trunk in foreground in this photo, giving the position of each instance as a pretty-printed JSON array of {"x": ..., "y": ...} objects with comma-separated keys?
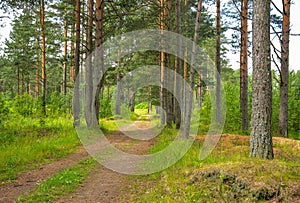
[
  {"x": 244, "y": 65},
  {"x": 261, "y": 123},
  {"x": 284, "y": 79},
  {"x": 189, "y": 100}
]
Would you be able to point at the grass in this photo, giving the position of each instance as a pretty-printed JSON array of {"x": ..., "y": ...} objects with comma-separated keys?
[
  {"x": 26, "y": 144},
  {"x": 227, "y": 175},
  {"x": 61, "y": 184}
]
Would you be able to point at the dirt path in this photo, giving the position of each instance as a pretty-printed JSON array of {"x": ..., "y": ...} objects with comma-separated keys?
[
  {"x": 28, "y": 180},
  {"x": 102, "y": 185},
  {"x": 105, "y": 185}
]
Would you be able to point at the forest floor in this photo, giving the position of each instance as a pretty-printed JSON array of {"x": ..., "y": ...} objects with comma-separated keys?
[
  {"x": 101, "y": 185},
  {"x": 228, "y": 174}
]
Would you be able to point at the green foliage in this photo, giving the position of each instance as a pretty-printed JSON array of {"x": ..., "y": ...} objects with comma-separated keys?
[
  {"x": 24, "y": 142},
  {"x": 24, "y": 105},
  {"x": 233, "y": 115},
  {"x": 105, "y": 108},
  {"x": 133, "y": 116},
  {"x": 58, "y": 104},
  {"x": 4, "y": 110},
  {"x": 143, "y": 105},
  {"x": 294, "y": 105}
]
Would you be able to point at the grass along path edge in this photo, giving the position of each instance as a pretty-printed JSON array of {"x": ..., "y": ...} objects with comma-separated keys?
[{"x": 60, "y": 184}]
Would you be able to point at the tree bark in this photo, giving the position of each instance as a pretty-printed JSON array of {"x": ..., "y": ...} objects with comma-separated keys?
[
  {"x": 44, "y": 76},
  {"x": 65, "y": 53},
  {"x": 244, "y": 65},
  {"x": 261, "y": 118},
  {"x": 178, "y": 83},
  {"x": 99, "y": 56},
  {"x": 18, "y": 78},
  {"x": 218, "y": 63},
  {"x": 88, "y": 68},
  {"x": 162, "y": 65},
  {"x": 149, "y": 101},
  {"x": 76, "y": 105},
  {"x": 284, "y": 73},
  {"x": 118, "y": 100},
  {"x": 37, "y": 79},
  {"x": 187, "y": 120},
  {"x": 23, "y": 82},
  {"x": 72, "y": 68},
  {"x": 37, "y": 65},
  {"x": 186, "y": 27},
  {"x": 199, "y": 92},
  {"x": 132, "y": 103}
]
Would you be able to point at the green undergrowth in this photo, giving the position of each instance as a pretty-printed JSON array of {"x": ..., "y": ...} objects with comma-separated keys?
[
  {"x": 112, "y": 124},
  {"x": 29, "y": 142},
  {"x": 226, "y": 175},
  {"x": 61, "y": 184}
]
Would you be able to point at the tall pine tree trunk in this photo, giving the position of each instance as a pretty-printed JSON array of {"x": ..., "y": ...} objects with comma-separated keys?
[
  {"x": 186, "y": 30},
  {"x": 162, "y": 65},
  {"x": 178, "y": 83},
  {"x": 199, "y": 92},
  {"x": 37, "y": 65},
  {"x": 72, "y": 68},
  {"x": 65, "y": 53},
  {"x": 76, "y": 105},
  {"x": 284, "y": 73},
  {"x": 261, "y": 118},
  {"x": 99, "y": 56},
  {"x": 44, "y": 76},
  {"x": 118, "y": 90},
  {"x": 187, "y": 120},
  {"x": 23, "y": 81},
  {"x": 244, "y": 65},
  {"x": 88, "y": 68},
  {"x": 218, "y": 63},
  {"x": 18, "y": 79}
]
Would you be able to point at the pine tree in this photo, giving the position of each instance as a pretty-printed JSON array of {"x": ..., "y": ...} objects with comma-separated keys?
[{"x": 261, "y": 118}]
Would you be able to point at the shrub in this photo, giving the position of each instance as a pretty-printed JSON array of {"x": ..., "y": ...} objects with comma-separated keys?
[
  {"x": 3, "y": 109},
  {"x": 143, "y": 105},
  {"x": 24, "y": 105}
]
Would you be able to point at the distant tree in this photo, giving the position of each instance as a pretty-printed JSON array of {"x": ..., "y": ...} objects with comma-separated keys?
[
  {"x": 44, "y": 75},
  {"x": 218, "y": 61},
  {"x": 88, "y": 68},
  {"x": 244, "y": 65},
  {"x": 76, "y": 105},
  {"x": 162, "y": 18},
  {"x": 284, "y": 70}
]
